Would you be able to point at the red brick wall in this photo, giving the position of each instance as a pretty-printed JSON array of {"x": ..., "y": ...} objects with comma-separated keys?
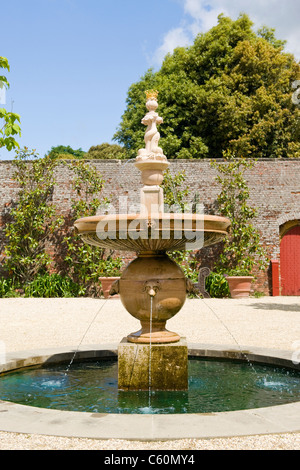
[{"x": 274, "y": 190}]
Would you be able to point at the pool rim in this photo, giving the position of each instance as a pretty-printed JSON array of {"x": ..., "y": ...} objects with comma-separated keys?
[{"x": 149, "y": 427}]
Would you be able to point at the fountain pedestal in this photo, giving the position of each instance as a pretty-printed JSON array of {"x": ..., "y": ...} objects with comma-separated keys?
[{"x": 153, "y": 367}]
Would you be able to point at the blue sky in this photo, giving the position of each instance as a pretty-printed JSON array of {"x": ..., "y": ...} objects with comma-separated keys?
[{"x": 72, "y": 61}]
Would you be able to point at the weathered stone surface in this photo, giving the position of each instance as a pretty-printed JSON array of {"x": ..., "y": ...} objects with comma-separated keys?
[{"x": 168, "y": 371}]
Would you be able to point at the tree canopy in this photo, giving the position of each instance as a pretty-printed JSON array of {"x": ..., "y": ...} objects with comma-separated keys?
[
  {"x": 102, "y": 151},
  {"x": 230, "y": 90},
  {"x": 66, "y": 152},
  {"x": 106, "y": 151}
]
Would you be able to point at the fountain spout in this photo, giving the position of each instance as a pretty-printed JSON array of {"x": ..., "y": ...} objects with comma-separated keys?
[
  {"x": 151, "y": 292},
  {"x": 151, "y": 288}
]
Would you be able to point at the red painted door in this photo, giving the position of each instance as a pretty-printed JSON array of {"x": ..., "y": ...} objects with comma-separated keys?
[{"x": 290, "y": 262}]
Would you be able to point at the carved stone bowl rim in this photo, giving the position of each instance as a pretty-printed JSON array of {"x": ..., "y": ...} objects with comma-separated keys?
[{"x": 211, "y": 222}]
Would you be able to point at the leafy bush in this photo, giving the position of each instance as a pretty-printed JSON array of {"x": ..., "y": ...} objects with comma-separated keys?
[
  {"x": 110, "y": 267},
  {"x": 33, "y": 225},
  {"x": 32, "y": 218},
  {"x": 82, "y": 262},
  {"x": 8, "y": 288},
  {"x": 186, "y": 260},
  {"x": 53, "y": 285},
  {"x": 242, "y": 248},
  {"x": 216, "y": 285}
]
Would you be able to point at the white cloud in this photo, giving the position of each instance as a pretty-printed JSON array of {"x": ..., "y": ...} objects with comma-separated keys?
[
  {"x": 201, "y": 15},
  {"x": 293, "y": 43},
  {"x": 204, "y": 14},
  {"x": 174, "y": 38}
]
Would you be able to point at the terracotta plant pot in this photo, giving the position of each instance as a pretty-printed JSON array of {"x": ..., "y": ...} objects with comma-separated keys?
[
  {"x": 239, "y": 286},
  {"x": 106, "y": 283}
]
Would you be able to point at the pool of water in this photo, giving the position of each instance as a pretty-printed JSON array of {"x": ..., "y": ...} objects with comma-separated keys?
[{"x": 214, "y": 386}]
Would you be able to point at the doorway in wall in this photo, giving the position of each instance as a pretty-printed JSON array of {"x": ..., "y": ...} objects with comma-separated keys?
[{"x": 290, "y": 261}]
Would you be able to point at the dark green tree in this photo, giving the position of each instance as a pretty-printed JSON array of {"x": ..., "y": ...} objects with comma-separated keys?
[{"x": 230, "y": 90}]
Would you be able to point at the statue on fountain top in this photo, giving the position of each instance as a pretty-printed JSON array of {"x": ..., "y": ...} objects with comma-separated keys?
[{"x": 151, "y": 151}]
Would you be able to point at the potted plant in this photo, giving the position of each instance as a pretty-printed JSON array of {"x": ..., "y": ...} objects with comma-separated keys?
[
  {"x": 242, "y": 249},
  {"x": 239, "y": 283},
  {"x": 111, "y": 271}
]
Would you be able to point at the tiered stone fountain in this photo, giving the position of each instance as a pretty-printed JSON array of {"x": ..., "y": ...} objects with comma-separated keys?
[{"x": 152, "y": 287}]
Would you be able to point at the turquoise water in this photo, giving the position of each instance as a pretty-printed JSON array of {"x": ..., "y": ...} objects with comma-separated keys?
[{"x": 92, "y": 387}]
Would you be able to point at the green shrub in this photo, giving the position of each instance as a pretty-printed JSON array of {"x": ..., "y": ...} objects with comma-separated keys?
[
  {"x": 242, "y": 250},
  {"x": 53, "y": 285},
  {"x": 8, "y": 288},
  {"x": 216, "y": 285},
  {"x": 32, "y": 218}
]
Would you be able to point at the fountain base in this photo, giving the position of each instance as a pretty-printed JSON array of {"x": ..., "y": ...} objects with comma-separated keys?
[
  {"x": 155, "y": 334},
  {"x": 153, "y": 367}
]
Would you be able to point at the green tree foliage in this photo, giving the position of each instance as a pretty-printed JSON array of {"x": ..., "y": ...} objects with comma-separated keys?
[
  {"x": 66, "y": 152},
  {"x": 82, "y": 262},
  {"x": 32, "y": 220},
  {"x": 175, "y": 197},
  {"x": 9, "y": 126},
  {"x": 242, "y": 249},
  {"x": 106, "y": 151},
  {"x": 103, "y": 151},
  {"x": 174, "y": 193},
  {"x": 38, "y": 239},
  {"x": 231, "y": 89}
]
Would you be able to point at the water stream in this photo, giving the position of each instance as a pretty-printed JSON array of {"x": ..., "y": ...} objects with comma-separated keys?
[
  {"x": 243, "y": 354},
  {"x": 150, "y": 352},
  {"x": 84, "y": 335}
]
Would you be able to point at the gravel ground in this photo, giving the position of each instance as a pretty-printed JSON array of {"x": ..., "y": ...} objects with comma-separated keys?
[{"x": 267, "y": 322}]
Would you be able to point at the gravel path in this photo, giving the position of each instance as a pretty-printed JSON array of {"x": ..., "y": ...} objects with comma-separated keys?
[{"x": 267, "y": 322}]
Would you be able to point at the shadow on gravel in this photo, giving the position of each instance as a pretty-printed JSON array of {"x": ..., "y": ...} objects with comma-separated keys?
[{"x": 277, "y": 306}]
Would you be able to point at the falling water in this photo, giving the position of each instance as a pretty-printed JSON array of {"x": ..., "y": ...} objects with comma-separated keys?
[
  {"x": 231, "y": 334},
  {"x": 77, "y": 349},
  {"x": 150, "y": 358}
]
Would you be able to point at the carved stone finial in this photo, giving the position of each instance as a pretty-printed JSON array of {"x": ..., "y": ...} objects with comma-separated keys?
[
  {"x": 151, "y": 94},
  {"x": 151, "y": 151},
  {"x": 151, "y": 160}
]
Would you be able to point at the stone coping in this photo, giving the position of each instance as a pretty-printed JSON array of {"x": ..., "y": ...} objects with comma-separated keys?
[{"x": 147, "y": 427}]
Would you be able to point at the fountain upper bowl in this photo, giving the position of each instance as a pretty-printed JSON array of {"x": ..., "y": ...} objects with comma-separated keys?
[{"x": 159, "y": 232}]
